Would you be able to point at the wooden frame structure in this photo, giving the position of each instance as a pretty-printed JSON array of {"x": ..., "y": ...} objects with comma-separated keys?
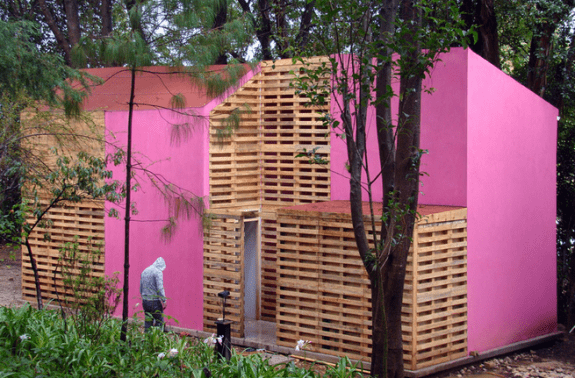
[
  {"x": 324, "y": 294},
  {"x": 313, "y": 284},
  {"x": 252, "y": 173},
  {"x": 252, "y": 170}
]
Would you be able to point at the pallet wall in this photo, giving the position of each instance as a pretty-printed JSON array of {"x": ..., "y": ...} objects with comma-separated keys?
[
  {"x": 84, "y": 220},
  {"x": 289, "y": 127},
  {"x": 324, "y": 294},
  {"x": 255, "y": 167},
  {"x": 223, "y": 270},
  {"x": 235, "y": 144}
]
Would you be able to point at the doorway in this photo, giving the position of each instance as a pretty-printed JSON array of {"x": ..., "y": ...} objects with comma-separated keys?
[{"x": 252, "y": 269}]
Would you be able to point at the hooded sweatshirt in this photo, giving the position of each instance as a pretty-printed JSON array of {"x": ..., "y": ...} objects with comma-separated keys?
[{"x": 152, "y": 281}]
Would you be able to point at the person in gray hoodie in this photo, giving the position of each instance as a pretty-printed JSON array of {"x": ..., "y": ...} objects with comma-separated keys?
[{"x": 153, "y": 294}]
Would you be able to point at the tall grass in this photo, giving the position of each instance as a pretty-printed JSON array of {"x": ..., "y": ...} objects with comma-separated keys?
[{"x": 40, "y": 344}]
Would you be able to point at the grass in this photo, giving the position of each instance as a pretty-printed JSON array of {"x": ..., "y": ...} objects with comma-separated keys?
[{"x": 42, "y": 344}]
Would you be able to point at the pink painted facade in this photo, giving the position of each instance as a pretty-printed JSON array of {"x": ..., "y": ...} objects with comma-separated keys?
[
  {"x": 491, "y": 149},
  {"x": 511, "y": 144},
  {"x": 185, "y": 165}
]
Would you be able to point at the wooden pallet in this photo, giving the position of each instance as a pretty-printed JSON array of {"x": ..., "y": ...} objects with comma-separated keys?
[
  {"x": 268, "y": 266},
  {"x": 223, "y": 267},
  {"x": 84, "y": 220},
  {"x": 324, "y": 292},
  {"x": 256, "y": 165},
  {"x": 234, "y": 161},
  {"x": 256, "y": 168},
  {"x": 289, "y": 127}
]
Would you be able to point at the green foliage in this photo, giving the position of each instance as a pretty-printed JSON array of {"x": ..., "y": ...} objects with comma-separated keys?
[
  {"x": 25, "y": 69},
  {"x": 40, "y": 343},
  {"x": 87, "y": 300},
  {"x": 73, "y": 180}
]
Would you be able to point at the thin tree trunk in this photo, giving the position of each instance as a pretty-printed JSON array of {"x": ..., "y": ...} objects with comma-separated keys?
[
  {"x": 128, "y": 210},
  {"x": 385, "y": 135},
  {"x": 406, "y": 188},
  {"x": 36, "y": 277}
]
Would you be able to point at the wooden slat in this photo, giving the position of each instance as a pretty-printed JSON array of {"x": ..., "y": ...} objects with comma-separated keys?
[
  {"x": 81, "y": 222},
  {"x": 319, "y": 263},
  {"x": 223, "y": 245}
]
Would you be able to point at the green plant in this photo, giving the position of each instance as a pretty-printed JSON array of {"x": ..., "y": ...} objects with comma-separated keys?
[{"x": 88, "y": 299}]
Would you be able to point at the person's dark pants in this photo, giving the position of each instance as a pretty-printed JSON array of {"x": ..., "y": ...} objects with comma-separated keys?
[{"x": 154, "y": 314}]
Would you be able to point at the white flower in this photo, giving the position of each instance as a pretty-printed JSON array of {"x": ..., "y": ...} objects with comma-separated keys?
[
  {"x": 301, "y": 344},
  {"x": 213, "y": 339},
  {"x": 24, "y": 337},
  {"x": 558, "y": 118},
  {"x": 161, "y": 355},
  {"x": 173, "y": 352}
]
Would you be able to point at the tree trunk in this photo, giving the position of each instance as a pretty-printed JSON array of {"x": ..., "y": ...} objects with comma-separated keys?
[
  {"x": 106, "y": 15},
  {"x": 406, "y": 181},
  {"x": 539, "y": 54},
  {"x": 488, "y": 41},
  {"x": 302, "y": 37},
  {"x": 481, "y": 14},
  {"x": 58, "y": 34},
  {"x": 72, "y": 21},
  {"x": 380, "y": 297},
  {"x": 36, "y": 277},
  {"x": 127, "y": 217},
  {"x": 219, "y": 22},
  {"x": 264, "y": 29}
]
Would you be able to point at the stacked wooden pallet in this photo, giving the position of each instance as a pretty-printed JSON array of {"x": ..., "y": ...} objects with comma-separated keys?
[
  {"x": 288, "y": 127},
  {"x": 324, "y": 293},
  {"x": 68, "y": 222},
  {"x": 234, "y": 162},
  {"x": 255, "y": 166},
  {"x": 81, "y": 222},
  {"x": 223, "y": 270}
]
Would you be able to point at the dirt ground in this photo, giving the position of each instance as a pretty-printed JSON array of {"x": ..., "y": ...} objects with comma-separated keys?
[
  {"x": 555, "y": 360},
  {"x": 10, "y": 278}
]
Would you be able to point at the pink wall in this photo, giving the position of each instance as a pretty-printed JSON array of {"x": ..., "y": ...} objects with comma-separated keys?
[
  {"x": 511, "y": 210},
  {"x": 182, "y": 166},
  {"x": 491, "y": 148},
  {"x": 443, "y": 133},
  {"x": 185, "y": 165}
]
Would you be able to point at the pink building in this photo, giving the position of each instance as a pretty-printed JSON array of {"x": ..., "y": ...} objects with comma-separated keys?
[{"x": 491, "y": 149}]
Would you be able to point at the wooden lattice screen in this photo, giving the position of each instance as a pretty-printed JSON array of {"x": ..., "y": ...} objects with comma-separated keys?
[
  {"x": 223, "y": 267},
  {"x": 324, "y": 293},
  {"x": 255, "y": 168},
  {"x": 81, "y": 222},
  {"x": 289, "y": 127}
]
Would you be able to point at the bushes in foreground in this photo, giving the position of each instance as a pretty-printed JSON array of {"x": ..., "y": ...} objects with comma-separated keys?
[{"x": 42, "y": 344}]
